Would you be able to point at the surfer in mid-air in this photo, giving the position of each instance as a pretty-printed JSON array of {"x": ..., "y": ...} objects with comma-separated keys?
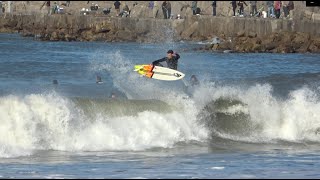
[{"x": 171, "y": 59}]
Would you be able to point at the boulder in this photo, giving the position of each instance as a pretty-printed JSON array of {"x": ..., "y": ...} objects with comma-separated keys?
[
  {"x": 301, "y": 38},
  {"x": 258, "y": 48},
  {"x": 274, "y": 37},
  {"x": 287, "y": 37},
  {"x": 69, "y": 37},
  {"x": 178, "y": 25},
  {"x": 308, "y": 15},
  {"x": 271, "y": 46},
  {"x": 101, "y": 28},
  {"x": 241, "y": 33},
  {"x": 216, "y": 40},
  {"x": 189, "y": 12},
  {"x": 248, "y": 47},
  {"x": 316, "y": 42},
  {"x": 313, "y": 48},
  {"x": 54, "y": 36},
  {"x": 225, "y": 46},
  {"x": 188, "y": 32},
  {"x": 26, "y": 33},
  {"x": 284, "y": 48},
  {"x": 215, "y": 47},
  {"x": 303, "y": 47},
  {"x": 315, "y": 17},
  {"x": 125, "y": 35},
  {"x": 86, "y": 36},
  {"x": 252, "y": 34},
  {"x": 241, "y": 39},
  {"x": 258, "y": 41}
]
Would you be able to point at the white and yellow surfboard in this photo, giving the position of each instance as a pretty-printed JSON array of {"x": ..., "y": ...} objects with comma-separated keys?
[{"x": 158, "y": 72}]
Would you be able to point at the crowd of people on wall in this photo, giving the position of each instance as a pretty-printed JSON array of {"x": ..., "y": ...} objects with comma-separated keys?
[{"x": 275, "y": 9}]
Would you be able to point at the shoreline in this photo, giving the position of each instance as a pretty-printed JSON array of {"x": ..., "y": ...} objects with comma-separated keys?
[{"x": 231, "y": 34}]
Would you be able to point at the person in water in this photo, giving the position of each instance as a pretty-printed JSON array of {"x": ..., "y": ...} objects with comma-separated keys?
[
  {"x": 55, "y": 82},
  {"x": 98, "y": 80},
  {"x": 194, "y": 80},
  {"x": 171, "y": 59},
  {"x": 113, "y": 95}
]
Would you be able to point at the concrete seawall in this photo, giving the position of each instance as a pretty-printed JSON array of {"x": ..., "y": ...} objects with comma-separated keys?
[
  {"x": 231, "y": 26},
  {"x": 194, "y": 27},
  {"x": 236, "y": 33}
]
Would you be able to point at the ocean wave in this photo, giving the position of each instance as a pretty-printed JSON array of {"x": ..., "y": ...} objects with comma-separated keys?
[
  {"x": 155, "y": 114},
  {"x": 52, "y": 122},
  {"x": 255, "y": 115}
]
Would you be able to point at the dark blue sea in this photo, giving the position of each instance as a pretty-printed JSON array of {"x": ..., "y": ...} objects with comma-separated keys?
[{"x": 251, "y": 116}]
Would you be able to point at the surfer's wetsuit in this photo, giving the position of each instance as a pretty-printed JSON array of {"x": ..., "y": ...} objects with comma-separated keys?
[{"x": 171, "y": 63}]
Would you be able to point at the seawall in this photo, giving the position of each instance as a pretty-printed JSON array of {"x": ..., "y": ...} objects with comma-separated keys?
[
  {"x": 101, "y": 28},
  {"x": 193, "y": 27}
]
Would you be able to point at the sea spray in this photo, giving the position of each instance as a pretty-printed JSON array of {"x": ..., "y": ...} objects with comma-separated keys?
[
  {"x": 53, "y": 122},
  {"x": 270, "y": 118},
  {"x": 264, "y": 113}
]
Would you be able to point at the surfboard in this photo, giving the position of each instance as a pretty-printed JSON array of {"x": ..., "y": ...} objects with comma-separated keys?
[{"x": 158, "y": 72}]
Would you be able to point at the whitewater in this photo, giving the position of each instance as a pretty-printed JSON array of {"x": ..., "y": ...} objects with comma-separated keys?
[{"x": 250, "y": 113}]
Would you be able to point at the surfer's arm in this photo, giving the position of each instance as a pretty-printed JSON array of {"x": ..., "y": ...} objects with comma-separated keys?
[
  {"x": 158, "y": 61},
  {"x": 176, "y": 55}
]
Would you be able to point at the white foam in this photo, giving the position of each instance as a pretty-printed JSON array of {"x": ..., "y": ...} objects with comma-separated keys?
[
  {"x": 53, "y": 122},
  {"x": 292, "y": 119},
  {"x": 49, "y": 121},
  {"x": 217, "y": 168}
]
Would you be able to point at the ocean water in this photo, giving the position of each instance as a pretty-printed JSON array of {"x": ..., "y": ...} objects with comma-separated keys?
[{"x": 251, "y": 116}]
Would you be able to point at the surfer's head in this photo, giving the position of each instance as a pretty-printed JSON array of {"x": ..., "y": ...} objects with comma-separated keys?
[
  {"x": 170, "y": 51},
  {"x": 194, "y": 80},
  {"x": 99, "y": 80},
  {"x": 169, "y": 54}
]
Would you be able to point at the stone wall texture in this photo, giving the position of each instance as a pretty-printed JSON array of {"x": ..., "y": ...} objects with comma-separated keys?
[{"x": 27, "y": 18}]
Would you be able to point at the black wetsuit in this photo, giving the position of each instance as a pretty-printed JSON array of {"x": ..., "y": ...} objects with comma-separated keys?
[{"x": 171, "y": 63}]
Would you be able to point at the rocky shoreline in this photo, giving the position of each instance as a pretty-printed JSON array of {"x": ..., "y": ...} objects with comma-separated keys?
[
  {"x": 233, "y": 34},
  {"x": 282, "y": 42}
]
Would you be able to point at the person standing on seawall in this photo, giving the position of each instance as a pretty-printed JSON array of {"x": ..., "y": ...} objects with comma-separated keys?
[
  {"x": 1, "y": 8},
  {"x": 155, "y": 9},
  {"x": 234, "y": 7},
  {"x": 164, "y": 9},
  {"x": 285, "y": 8},
  {"x": 290, "y": 8},
  {"x": 194, "y": 7},
  {"x": 277, "y": 7},
  {"x": 168, "y": 9},
  {"x": 241, "y": 7},
  {"x": 270, "y": 9},
  {"x": 253, "y": 8},
  {"x": 117, "y": 7},
  {"x": 214, "y": 8},
  {"x": 48, "y": 7}
]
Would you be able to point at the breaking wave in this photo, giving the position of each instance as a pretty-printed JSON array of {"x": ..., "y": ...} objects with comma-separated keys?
[
  {"x": 52, "y": 122},
  {"x": 156, "y": 114}
]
